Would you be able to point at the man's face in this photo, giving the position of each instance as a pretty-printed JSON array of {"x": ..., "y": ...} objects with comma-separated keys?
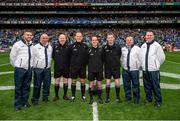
[
  {"x": 110, "y": 39},
  {"x": 149, "y": 36},
  {"x": 79, "y": 37},
  {"x": 28, "y": 36},
  {"x": 94, "y": 41},
  {"x": 44, "y": 39},
  {"x": 129, "y": 41},
  {"x": 62, "y": 39}
]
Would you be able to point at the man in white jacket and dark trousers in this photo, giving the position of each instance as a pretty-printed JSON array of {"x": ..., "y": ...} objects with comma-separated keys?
[
  {"x": 42, "y": 69},
  {"x": 21, "y": 60},
  {"x": 152, "y": 56},
  {"x": 130, "y": 74}
]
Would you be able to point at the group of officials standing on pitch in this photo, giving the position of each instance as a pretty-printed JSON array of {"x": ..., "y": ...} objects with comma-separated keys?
[{"x": 70, "y": 61}]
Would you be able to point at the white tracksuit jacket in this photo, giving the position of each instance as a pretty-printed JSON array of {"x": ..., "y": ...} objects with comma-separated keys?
[
  {"x": 21, "y": 55},
  {"x": 155, "y": 56},
  {"x": 39, "y": 59},
  {"x": 134, "y": 61}
]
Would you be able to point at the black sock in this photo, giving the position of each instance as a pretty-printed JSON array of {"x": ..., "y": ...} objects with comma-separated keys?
[
  {"x": 56, "y": 89},
  {"x": 73, "y": 89},
  {"x": 117, "y": 91},
  {"x": 99, "y": 93},
  {"x": 83, "y": 87},
  {"x": 65, "y": 87},
  {"x": 90, "y": 93},
  {"x": 107, "y": 91}
]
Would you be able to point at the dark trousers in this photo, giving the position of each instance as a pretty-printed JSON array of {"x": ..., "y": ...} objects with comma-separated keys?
[
  {"x": 131, "y": 78},
  {"x": 151, "y": 80},
  {"x": 41, "y": 76},
  {"x": 22, "y": 80}
]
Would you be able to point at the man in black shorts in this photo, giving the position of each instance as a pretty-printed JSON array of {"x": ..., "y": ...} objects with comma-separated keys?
[
  {"x": 95, "y": 69},
  {"x": 112, "y": 54},
  {"x": 78, "y": 62},
  {"x": 61, "y": 59}
]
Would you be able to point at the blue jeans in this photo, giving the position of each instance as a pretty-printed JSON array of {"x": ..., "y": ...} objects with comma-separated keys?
[
  {"x": 41, "y": 76},
  {"x": 151, "y": 80},
  {"x": 22, "y": 80},
  {"x": 131, "y": 78}
]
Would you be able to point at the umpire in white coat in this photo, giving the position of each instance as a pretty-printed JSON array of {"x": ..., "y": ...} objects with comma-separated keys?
[
  {"x": 42, "y": 71},
  {"x": 152, "y": 56},
  {"x": 130, "y": 74},
  {"x": 21, "y": 60}
]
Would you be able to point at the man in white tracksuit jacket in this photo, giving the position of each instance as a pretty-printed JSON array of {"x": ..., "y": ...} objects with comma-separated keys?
[
  {"x": 42, "y": 69},
  {"x": 21, "y": 59},
  {"x": 152, "y": 56},
  {"x": 130, "y": 74}
]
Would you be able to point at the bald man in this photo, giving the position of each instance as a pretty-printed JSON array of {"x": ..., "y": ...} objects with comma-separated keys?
[
  {"x": 61, "y": 59},
  {"x": 130, "y": 74},
  {"x": 78, "y": 62},
  {"x": 42, "y": 71}
]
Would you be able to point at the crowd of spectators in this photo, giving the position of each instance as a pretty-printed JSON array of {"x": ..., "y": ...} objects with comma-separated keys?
[
  {"x": 163, "y": 35},
  {"x": 101, "y": 19},
  {"x": 86, "y": 1}
]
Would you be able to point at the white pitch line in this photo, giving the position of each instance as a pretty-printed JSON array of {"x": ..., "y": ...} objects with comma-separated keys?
[
  {"x": 166, "y": 74},
  {"x": 6, "y": 87},
  {"x": 95, "y": 111},
  {"x": 78, "y": 86},
  {"x": 4, "y": 64},
  {"x": 172, "y": 75},
  {"x": 11, "y": 72},
  {"x": 6, "y": 72},
  {"x": 172, "y": 62}
]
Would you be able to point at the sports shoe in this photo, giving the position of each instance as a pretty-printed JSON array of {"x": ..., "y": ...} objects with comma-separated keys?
[
  {"x": 55, "y": 98},
  {"x": 83, "y": 98}
]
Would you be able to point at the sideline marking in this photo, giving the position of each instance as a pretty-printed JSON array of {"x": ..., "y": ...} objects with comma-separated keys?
[{"x": 95, "y": 111}]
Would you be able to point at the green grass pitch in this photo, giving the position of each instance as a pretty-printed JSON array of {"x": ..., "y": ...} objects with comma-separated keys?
[{"x": 65, "y": 110}]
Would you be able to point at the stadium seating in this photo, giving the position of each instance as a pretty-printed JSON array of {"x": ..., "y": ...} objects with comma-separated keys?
[
  {"x": 165, "y": 35},
  {"x": 85, "y": 1}
]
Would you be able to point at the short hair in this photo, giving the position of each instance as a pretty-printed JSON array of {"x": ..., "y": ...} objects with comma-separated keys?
[
  {"x": 129, "y": 36},
  {"x": 110, "y": 33},
  {"x": 44, "y": 34},
  {"x": 94, "y": 36},
  {"x": 62, "y": 34},
  {"x": 150, "y": 31},
  {"x": 27, "y": 30},
  {"x": 78, "y": 32}
]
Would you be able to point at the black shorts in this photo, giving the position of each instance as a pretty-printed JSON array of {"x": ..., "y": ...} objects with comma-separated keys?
[
  {"x": 115, "y": 73},
  {"x": 78, "y": 72},
  {"x": 61, "y": 72},
  {"x": 95, "y": 76}
]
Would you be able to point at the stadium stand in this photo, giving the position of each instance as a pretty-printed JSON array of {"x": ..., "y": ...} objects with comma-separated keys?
[
  {"x": 123, "y": 17},
  {"x": 86, "y": 1},
  {"x": 89, "y": 20},
  {"x": 165, "y": 35}
]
